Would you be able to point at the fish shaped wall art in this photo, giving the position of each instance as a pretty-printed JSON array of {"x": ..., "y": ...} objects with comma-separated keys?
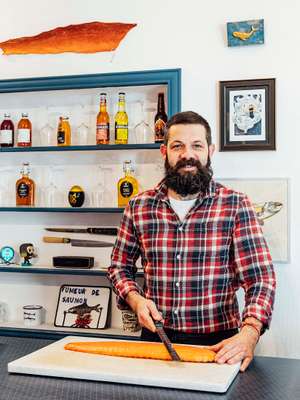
[
  {"x": 245, "y": 32},
  {"x": 90, "y": 37}
]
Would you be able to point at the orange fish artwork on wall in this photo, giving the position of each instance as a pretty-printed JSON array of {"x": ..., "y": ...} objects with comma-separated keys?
[{"x": 90, "y": 37}]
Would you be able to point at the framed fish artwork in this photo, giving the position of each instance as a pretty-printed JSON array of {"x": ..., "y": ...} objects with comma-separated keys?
[
  {"x": 82, "y": 307},
  {"x": 247, "y": 115},
  {"x": 270, "y": 200},
  {"x": 244, "y": 33}
]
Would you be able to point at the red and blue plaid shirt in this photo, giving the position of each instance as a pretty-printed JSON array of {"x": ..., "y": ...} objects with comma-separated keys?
[{"x": 193, "y": 268}]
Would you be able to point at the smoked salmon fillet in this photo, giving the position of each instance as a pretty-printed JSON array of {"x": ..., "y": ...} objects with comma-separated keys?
[
  {"x": 90, "y": 37},
  {"x": 156, "y": 351}
]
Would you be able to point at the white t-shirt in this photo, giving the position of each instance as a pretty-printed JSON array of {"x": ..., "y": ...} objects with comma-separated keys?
[{"x": 182, "y": 207}]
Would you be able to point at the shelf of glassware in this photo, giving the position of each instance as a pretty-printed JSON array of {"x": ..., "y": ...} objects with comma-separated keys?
[
  {"x": 129, "y": 146},
  {"x": 49, "y": 331},
  {"x": 79, "y": 210}
]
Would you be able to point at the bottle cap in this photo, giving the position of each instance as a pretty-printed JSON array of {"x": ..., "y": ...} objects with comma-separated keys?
[
  {"x": 121, "y": 93},
  {"x": 24, "y": 115},
  {"x": 6, "y": 115}
]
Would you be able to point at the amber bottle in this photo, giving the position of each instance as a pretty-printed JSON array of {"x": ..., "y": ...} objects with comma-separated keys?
[
  {"x": 25, "y": 188},
  {"x": 160, "y": 119},
  {"x": 102, "y": 128},
  {"x": 24, "y": 132}
]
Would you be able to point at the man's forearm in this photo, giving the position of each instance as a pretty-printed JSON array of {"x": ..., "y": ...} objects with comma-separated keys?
[{"x": 132, "y": 299}]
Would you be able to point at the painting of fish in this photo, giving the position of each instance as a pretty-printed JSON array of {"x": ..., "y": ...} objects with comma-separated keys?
[{"x": 245, "y": 32}]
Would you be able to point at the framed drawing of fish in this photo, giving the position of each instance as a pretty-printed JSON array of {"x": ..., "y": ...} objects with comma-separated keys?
[
  {"x": 244, "y": 33},
  {"x": 84, "y": 307},
  {"x": 270, "y": 200},
  {"x": 247, "y": 115}
]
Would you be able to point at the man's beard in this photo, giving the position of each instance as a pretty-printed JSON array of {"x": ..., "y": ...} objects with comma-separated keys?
[{"x": 187, "y": 183}]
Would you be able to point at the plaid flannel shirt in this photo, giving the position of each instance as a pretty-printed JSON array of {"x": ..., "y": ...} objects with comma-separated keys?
[{"x": 193, "y": 268}]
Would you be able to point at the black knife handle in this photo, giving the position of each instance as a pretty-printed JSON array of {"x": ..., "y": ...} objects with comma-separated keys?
[{"x": 103, "y": 231}]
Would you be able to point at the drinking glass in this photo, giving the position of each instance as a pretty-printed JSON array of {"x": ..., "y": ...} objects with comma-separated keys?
[
  {"x": 47, "y": 135},
  {"x": 142, "y": 130},
  {"x": 101, "y": 192},
  {"x": 5, "y": 186},
  {"x": 82, "y": 134},
  {"x": 53, "y": 197}
]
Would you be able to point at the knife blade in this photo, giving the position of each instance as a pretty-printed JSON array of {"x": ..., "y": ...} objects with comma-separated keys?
[
  {"x": 166, "y": 341},
  {"x": 97, "y": 231},
  {"x": 77, "y": 242}
]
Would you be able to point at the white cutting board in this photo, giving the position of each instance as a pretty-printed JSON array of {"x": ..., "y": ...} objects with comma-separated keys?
[{"x": 54, "y": 360}]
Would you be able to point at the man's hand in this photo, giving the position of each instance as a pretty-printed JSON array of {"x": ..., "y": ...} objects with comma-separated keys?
[
  {"x": 145, "y": 310},
  {"x": 239, "y": 347}
]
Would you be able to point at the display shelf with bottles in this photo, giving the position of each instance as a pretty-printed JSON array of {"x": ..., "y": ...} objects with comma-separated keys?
[{"x": 44, "y": 100}]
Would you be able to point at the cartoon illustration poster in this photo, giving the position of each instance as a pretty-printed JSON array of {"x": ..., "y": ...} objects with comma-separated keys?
[
  {"x": 82, "y": 306},
  {"x": 244, "y": 33}
]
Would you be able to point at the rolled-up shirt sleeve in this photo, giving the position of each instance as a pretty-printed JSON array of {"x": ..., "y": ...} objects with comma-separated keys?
[
  {"x": 126, "y": 251},
  {"x": 253, "y": 264}
]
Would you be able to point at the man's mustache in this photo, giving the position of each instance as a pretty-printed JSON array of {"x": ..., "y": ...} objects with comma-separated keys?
[{"x": 191, "y": 162}]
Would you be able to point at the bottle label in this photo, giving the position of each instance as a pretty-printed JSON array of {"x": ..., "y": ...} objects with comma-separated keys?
[
  {"x": 23, "y": 135},
  {"x": 126, "y": 189},
  {"x": 159, "y": 128},
  {"x": 102, "y": 132},
  {"x": 121, "y": 132},
  {"x": 6, "y": 136},
  {"x": 61, "y": 137},
  {"x": 23, "y": 190}
]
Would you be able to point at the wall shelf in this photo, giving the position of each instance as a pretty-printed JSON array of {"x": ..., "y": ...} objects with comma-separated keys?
[
  {"x": 55, "y": 271},
  {"x": 49, "y": 331},
  {"x": 129, "y": 146},
  {"x": 109, "y": 210}
]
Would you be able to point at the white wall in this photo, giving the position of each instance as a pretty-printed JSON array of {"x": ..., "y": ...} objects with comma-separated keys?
[{"x": 191, "y": 35}]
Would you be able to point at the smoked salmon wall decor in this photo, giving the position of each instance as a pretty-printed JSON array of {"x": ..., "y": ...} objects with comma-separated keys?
[
  {"x": 90, "y": 37},
  {"x": 245, "y": 33}
]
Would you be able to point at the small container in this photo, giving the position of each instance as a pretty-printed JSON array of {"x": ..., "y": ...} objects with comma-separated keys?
[
  {"x": 76, "y": 196},
  {"x": 32, "y": 315},
  {"x": 130, "y": 321}
]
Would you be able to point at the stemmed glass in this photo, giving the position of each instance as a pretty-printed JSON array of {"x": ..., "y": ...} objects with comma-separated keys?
[
  {"x": 53, "y": 196},
  {"x": 101, "y": 195},
  {"x": 142, "y": 130},
  {"x": 5, "y": 193}
]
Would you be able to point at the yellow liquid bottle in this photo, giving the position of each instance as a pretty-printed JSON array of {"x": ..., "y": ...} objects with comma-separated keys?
[
  {"x": 25, "y": 188},
  {"x": 63, "y": 132},
  {"x": 127, "y": 186},
  {"x": 121, "y": 122}
]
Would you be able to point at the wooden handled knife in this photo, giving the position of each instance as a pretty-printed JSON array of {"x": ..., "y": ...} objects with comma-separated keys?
[
  {"x": 77, "y": 242},
  {"x": 109, "y": 231},
  {"x": 166, "y": 341}
]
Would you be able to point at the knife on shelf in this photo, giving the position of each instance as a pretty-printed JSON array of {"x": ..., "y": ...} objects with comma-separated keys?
[
  {"x": 77, "y": 242},
  {"x": 97, "y": 231}
]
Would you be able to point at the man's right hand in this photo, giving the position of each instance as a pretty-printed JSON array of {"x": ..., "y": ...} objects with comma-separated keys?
[{"x": 145, "y": 310}]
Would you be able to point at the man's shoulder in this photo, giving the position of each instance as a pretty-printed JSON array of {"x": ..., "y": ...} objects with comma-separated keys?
[
  {"x": 225, "y": 191},
  {"x": 145, "y": 197}
]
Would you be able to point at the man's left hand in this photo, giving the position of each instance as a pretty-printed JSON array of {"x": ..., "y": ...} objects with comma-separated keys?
[{"x": 239, "y": 347}]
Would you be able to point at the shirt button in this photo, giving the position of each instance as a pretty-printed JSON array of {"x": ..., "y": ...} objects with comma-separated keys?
[
  {"x": 180, "y": 228},
  {"x": 176, "y": 312},
  {"x": 178, "y": 256},
  {"x": 177, "y": 284}
]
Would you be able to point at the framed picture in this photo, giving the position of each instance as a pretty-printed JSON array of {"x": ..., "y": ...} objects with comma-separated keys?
[
  {"x": 247, "y": 115},
  {"x": 82, "y": 306},
  {"x": 245, "y": 33},
  {"x": 270, "y": 198}
]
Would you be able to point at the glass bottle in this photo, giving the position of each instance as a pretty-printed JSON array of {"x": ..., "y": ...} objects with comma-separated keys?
[
  {"x": 121, "y": 122},
  {"x": 102, "y": 127},
  {"x": 25, "y": 188},
  {"x": 160, "y": 119},
  {"x": 127, "y": 186},
  {"x": 63, "y": 132},
  {"x": 24, "y": 132},
  {"x": 7, "y": 132}
]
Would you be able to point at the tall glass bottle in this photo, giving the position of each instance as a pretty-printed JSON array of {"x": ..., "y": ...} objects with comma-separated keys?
[
  {"x": 102, "y": 128},
  {"x": 127, "y": 186},
  {"x": 63, "y": 132},
  {"x": 24, "y": 132},
  {"x": 25, "y": 188},
  {"x": 160, "y": 119},
  {"x": 121, "y": 122},
  {"x": 7, "y": 132}
]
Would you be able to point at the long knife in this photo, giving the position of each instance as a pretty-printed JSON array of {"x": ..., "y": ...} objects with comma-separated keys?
[
  {"x": 97, "y": 231},
  {"x": 166, "y": 341},
  {"x": 77, "y": 242}
]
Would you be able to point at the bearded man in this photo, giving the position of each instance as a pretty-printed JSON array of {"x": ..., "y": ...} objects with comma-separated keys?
[{"x": 199, "y": 242}]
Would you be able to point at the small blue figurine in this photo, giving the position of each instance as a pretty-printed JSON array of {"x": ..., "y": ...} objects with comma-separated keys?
[{"x": 27, "y": 252}]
